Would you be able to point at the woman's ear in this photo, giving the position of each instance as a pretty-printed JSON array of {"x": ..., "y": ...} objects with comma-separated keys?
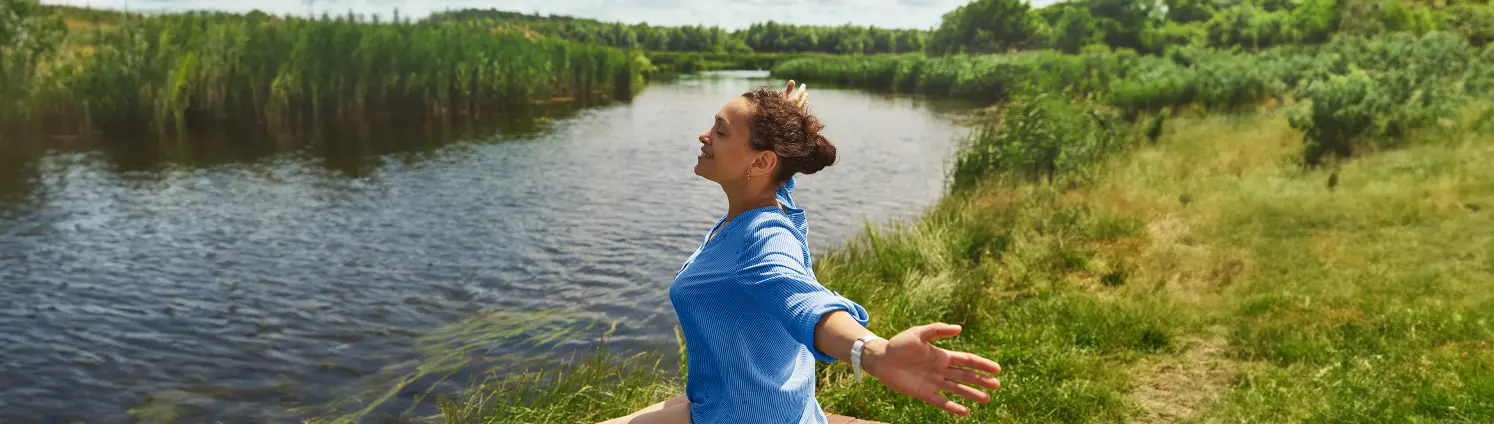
[{"x": 763, "y": 165}]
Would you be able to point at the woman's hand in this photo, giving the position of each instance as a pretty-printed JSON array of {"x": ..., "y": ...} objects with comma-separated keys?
[
  {"x": 800, "y": 98},
  {"x": 908, "y": 364}
]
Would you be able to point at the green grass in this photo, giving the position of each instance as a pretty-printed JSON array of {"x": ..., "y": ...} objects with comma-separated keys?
[{"x": 1266, "y": 297}]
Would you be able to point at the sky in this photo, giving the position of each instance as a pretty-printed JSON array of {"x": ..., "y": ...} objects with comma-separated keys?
[{"x": 729, "y": 14}]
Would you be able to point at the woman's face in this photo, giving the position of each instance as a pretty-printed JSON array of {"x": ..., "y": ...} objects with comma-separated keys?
[{"x": 725, "y": 154}]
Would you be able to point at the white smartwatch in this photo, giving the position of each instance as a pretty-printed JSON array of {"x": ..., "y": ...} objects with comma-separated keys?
[{"x": 856, "y": 353}]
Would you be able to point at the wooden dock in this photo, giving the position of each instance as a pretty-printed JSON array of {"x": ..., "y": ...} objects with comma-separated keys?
[{"x": 841, "y": 419}]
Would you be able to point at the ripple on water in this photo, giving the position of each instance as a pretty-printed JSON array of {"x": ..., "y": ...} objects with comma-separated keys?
[{"x": 231, "y": 289}]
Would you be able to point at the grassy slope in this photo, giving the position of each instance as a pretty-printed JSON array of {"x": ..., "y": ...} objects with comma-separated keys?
[
  {"x": 1267, "y": 296},
  {"x": 1278, "y": 298}
]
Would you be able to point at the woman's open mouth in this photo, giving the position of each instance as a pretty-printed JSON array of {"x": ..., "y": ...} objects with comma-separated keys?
[{"x": 704, "y": 154}]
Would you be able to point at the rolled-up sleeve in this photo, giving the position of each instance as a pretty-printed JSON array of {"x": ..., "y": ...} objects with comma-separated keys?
[{"x": 775, "y": 278}]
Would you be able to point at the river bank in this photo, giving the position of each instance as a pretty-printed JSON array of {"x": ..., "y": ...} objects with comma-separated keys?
[
  {"x": 241, "y": 279},
  {"x": 1213, "y": 245},
  {"x": 1203, "y": 277}
]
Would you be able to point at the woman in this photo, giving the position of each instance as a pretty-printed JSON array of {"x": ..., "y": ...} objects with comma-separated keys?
[{"x": 754, "y": 317}]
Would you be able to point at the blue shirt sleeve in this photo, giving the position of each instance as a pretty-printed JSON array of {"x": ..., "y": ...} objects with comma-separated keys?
[{"x": 775, "y": 279}]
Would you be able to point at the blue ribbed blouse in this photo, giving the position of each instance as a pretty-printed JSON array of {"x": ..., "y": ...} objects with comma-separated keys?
[{"x": 748, "y": 302}]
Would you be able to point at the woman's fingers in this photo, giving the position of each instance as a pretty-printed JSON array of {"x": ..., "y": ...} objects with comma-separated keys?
[
  {"x": 798, "y": 94},
  {"x": 930, "y": 332},
  {"x": 938, "y": 400},
  {"x": 970, "y": 360},
  {"x": 964, "y": 391},
  {"x": 975, "y": 378}
]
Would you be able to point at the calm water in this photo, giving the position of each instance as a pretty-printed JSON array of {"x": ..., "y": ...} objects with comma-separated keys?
[{"x": 230, "y": 280}]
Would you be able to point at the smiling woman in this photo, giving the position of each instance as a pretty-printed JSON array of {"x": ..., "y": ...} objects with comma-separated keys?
[{"x": 753, "y": 315}]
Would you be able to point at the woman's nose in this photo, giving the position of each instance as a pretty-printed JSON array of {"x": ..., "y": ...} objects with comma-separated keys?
[{"x": 702, "y": 138}]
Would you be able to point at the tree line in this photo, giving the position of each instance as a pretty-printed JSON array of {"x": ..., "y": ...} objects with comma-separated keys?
[
  {"x": 1152, "y": 26},
  {"x": 763, "y": 37},
  {"x": 997, "y": 26}
]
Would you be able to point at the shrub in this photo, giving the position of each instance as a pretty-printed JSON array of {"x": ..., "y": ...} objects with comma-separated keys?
[
  {"x": 1367, "y": 110},
  {"x": 1473, "y": 22},
  {"x": 1315, "y": 20},
  {"x": 1249, "y": 27},
  {"x": 1038, "y": 139},
  {"x": 1481, "y": 79},
  {"x": 1153, "y": 87},
  {"x": 1154, "y": 125},
  {"x": 1227, "y": 84},
  {"x": 1372, "y": 17}
]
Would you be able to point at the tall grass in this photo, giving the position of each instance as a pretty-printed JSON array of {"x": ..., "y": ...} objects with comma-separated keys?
[
  {"x": 1205, "y": 277},
  {"x": 172, "y": 73},
  {"x": 29, "y": 38}
]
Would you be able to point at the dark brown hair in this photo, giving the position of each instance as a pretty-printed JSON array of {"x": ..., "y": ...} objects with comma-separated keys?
[{"x": 778, "y": 125}]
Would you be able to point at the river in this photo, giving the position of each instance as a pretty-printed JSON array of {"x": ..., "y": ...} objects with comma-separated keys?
[{"x": 227, "y": 281}]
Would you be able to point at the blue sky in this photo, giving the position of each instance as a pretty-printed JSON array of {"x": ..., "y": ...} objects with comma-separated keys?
[{"x": 731, "y": 14}]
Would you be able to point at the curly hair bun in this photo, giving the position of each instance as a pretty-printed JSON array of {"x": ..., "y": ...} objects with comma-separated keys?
[
  {"x": 820, "y": 157},
  {"x": 794, "y": 134}
]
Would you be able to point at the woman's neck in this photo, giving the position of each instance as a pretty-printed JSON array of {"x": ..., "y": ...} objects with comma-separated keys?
[{"x": 742, "y": 201}]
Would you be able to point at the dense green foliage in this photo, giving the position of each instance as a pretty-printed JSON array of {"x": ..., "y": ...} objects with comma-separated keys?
[
  {"x": 987, "y": 26},
  {"x": 1363, "y": 92},
  {"x": 1388, "y": 88},
  {"x": 996, "y": 25},
  {"x": 181, "y": 71},
  {"x": 764, "y": 37},
  {"x": 984, "y": 78}
]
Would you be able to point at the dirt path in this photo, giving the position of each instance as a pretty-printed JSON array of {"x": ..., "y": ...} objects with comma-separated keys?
[{"x": 1176, "y": 388}]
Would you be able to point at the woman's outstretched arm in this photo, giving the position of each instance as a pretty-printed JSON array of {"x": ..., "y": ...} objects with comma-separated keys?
[{"x": 907, "y": 363}]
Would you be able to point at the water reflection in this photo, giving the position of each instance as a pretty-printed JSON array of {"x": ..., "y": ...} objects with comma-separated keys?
[{"x": 225, "y": 279}]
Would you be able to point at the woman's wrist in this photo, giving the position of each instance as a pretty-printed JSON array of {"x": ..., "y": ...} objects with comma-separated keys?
[{"x": 873, "y": 354}]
